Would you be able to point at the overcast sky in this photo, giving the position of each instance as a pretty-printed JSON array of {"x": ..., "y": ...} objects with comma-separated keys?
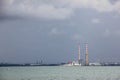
[{"x": 50, "y": 30}]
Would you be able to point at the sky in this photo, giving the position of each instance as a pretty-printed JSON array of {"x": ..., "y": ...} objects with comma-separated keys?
[{"x": 50, "y": 30}]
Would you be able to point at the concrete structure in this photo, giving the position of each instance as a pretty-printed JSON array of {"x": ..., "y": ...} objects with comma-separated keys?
[
  {"x": 79, "y": 54},
  {"x": 86, "y": 55}
]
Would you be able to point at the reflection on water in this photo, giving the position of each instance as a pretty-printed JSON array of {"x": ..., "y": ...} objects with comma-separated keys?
[{"x": 60, "y": 73}]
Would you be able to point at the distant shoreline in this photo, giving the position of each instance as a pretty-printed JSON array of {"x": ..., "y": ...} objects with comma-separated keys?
[
  {"x": 30, "y": 65},
  {"x": 23, "y": 65}
]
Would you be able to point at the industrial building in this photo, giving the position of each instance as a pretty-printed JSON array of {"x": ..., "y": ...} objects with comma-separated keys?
[{"x": 78, "y": 62}]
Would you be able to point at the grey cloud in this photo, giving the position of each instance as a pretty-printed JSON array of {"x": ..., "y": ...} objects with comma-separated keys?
[
  {"x": 1, "y": 7},
  {"x": 55, "y": 9},
  {"x": 113, "y": 1}
]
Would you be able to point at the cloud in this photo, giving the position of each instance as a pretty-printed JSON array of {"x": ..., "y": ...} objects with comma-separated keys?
[
  {"x": 117, "y": 6},
  {"x": 117, "y": 32},
  {"x": 55, "y": 31},
  {"x": 56, "y": 9},
  {"x": 77, "y": 37},
  {"x": 36, "y": 8},
  {"x": 1, "y": 7},
  {"x": 107, "y": 33},
  {"x": 95, "y": 21},
  {"x": 99, "y": 5}
]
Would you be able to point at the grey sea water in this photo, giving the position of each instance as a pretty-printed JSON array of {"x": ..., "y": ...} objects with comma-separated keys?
[{"x": 60, "y": 73}]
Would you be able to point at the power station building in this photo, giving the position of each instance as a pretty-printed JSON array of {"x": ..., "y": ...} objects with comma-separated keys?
[{"x": 79, "y": 61}]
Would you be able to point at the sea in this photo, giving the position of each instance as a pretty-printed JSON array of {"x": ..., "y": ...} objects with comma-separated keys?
[{"x": 60, "y": 73}]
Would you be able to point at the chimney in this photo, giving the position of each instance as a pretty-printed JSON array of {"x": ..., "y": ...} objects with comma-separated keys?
[
  {"x": 86, "y": 55},
  {"x": 79, "y": 54}
]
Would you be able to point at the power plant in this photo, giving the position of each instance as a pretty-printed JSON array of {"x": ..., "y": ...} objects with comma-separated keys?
[{"x": 79, "y": 61}]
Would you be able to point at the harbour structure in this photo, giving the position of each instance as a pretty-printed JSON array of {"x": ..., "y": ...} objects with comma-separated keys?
[{"x": 86, "y": 55}]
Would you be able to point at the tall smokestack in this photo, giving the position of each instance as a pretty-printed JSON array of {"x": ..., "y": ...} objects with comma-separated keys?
[
  {"x": 86, "y": 55},
  {"x": 79, "y": 54}
]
